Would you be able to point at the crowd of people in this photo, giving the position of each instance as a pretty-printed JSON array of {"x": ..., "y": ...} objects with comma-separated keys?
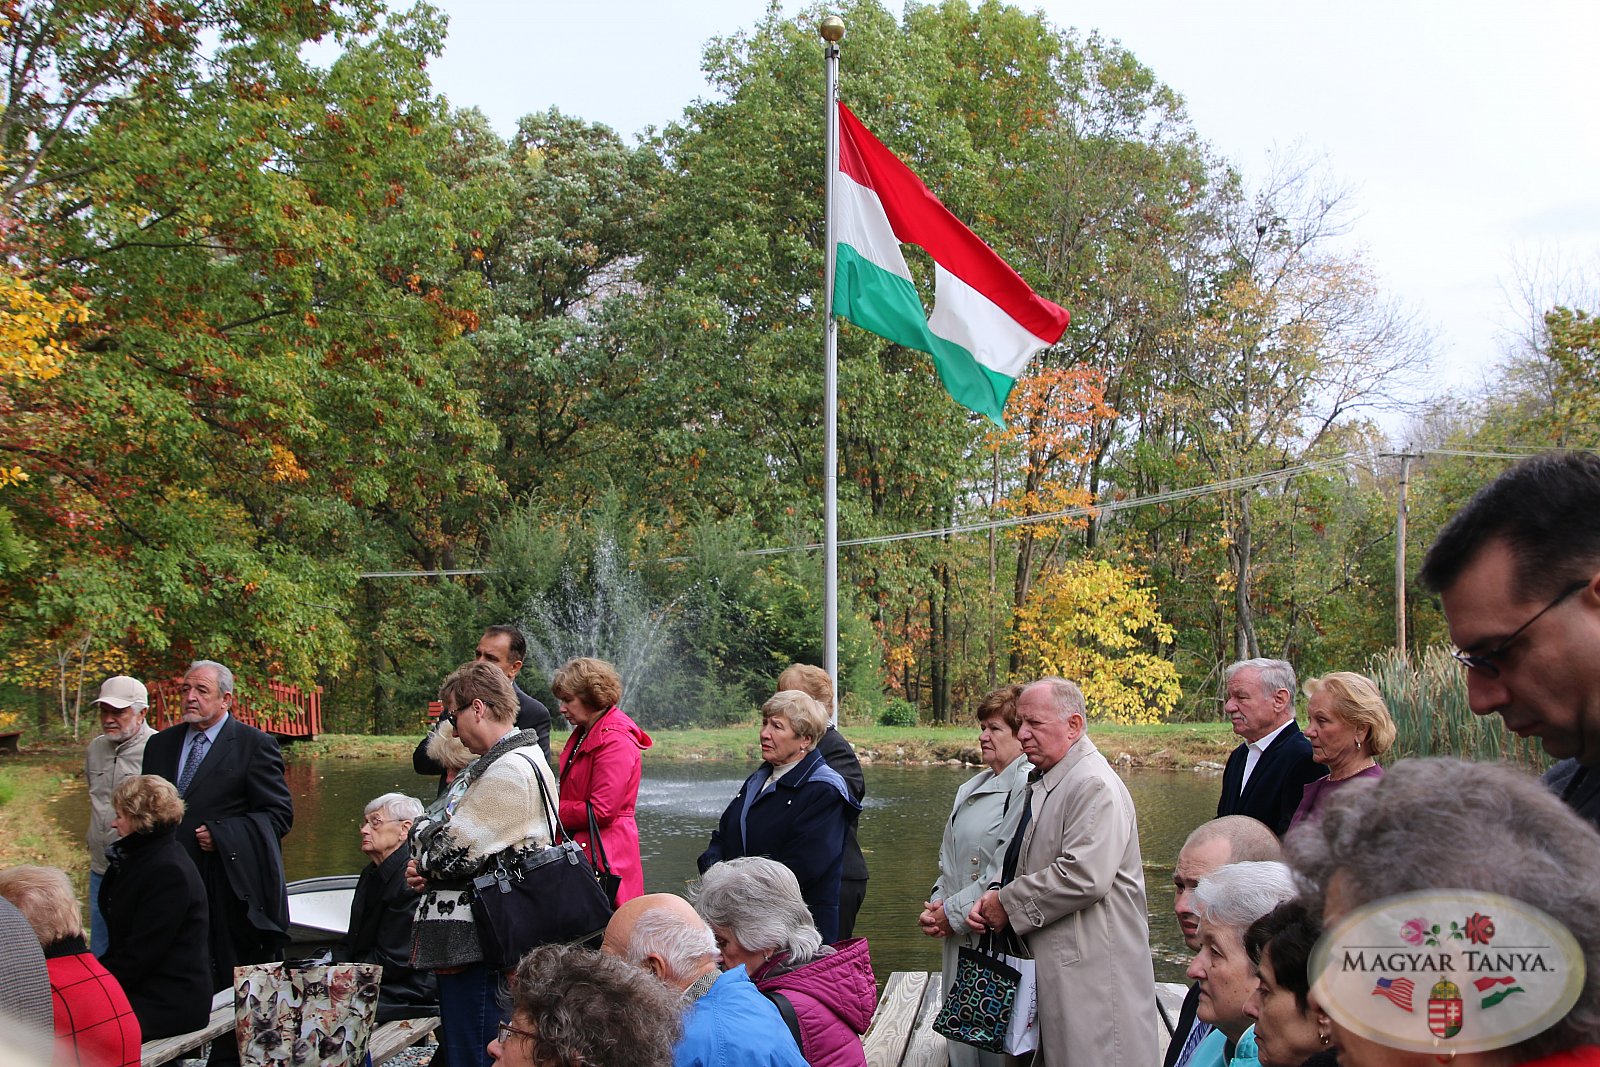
[{"x": 757, "y": 962}]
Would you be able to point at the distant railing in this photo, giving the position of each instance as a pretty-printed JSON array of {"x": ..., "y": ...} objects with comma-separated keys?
[{"x": 288, "y": 711}]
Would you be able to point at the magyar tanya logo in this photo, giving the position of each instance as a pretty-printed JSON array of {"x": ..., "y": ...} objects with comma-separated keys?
[{"x": 1450, "y": 969}]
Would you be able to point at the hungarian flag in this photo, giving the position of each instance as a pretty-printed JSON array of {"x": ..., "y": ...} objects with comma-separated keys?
[{"x": 986, "y": 322}]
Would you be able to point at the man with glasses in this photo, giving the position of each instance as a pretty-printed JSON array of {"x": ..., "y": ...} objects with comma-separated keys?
[
  {"x": 117, "y": 753},
  {"x": 1518, "y": 573}
]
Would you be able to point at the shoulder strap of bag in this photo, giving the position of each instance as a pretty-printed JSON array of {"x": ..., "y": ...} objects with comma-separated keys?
[
  {"x": 558, "y": 833},
  {"x": 595, "y": 842},
  {"x": 790, "y": 1019}
]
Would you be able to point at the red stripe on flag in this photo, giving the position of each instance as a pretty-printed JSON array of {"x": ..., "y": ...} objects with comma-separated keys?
[
  {"x": 917, "y": 217},
  {"x": 1485, "y": 983}
]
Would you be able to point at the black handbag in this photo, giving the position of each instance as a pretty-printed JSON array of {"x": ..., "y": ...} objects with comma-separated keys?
[
  {"x": 610, "y": 882},
  {"x": 534, "y": 897},
  {"x": 981, "y": 999}
]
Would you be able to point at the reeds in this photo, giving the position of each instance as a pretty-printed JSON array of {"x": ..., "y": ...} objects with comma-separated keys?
[{"x": 1427, "y": 697}]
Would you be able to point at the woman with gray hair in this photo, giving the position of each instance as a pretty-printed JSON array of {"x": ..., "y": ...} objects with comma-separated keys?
[
  {"x": 1227, "y": 901},
  {"x": 794, "y": 808},
  {"x": 1436, "y": 823},
  {"x": 384, "y": 908},
  {"x": 571, "y": 1007},
  {"x": 759, "y": 920}
]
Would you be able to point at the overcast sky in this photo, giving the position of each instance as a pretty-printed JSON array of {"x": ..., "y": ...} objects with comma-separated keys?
[{"x": 1467, "y": 130}]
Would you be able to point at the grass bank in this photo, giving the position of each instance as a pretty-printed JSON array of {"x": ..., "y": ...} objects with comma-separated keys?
[
  {"x": 1167, "y": 745},
  {"x": 29, "y": 784}
]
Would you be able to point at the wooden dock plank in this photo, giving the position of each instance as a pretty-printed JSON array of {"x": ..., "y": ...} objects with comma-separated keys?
[
  {"x": 926, "y": 1048},
  {"x": 390, "y": 1039},
  {"x": 885, "y": 1040}
]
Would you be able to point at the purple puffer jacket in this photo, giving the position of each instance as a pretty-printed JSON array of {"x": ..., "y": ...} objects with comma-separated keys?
[{"x": 834, "y": 997}]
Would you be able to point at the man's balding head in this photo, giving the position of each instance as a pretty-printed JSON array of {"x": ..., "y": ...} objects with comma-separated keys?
[
  {"x": 663, "y": 934},
  {"x": 1230, "y": 839}
]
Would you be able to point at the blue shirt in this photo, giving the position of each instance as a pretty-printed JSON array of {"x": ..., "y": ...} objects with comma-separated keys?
[
  {"x": 211, "y": 733},
  {"x": 735, "y": 1024}
]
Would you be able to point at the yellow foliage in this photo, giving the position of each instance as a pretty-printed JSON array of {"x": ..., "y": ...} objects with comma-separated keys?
[
  {"x": 30, "y": 322},
  {"x": 1093, "y": 622},
  {"x": 9, "y": 721},
  {"x": 285, "y": 466}
]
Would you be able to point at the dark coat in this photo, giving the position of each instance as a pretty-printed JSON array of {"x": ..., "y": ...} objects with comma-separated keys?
[
  {"x": 155, "y": 909},
  {"x": 842, "y": 758},
  {"x": 1277, "y": 783},
  {"x": 801, "y": 823},
  {"x": 531, "y": 715},
  {"x": 381, "y": 916},
  {"x": 240, "y": 794},
  {"x": 1578, "y": 787}
]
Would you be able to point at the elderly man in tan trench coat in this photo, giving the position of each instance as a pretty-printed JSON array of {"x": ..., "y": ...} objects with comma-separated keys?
[{"x": 1078, "y": 896}]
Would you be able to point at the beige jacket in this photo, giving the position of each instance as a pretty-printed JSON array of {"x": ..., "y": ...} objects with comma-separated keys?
[
  {"x": 106, "y": 765},
  {"x": 1078, "y": 902}
]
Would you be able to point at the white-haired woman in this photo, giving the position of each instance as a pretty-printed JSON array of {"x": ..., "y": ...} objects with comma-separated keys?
[
  {"x": 794, "y": 808},
  {"x": 1227, "y": 901},
  {"x": 384, "y": 908},
  {"x": 759, "y": 919},
  {"x": 1498, "y": 831}
]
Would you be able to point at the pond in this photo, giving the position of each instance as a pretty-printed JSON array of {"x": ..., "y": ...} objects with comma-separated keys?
[{"x": 679, "y": 803}]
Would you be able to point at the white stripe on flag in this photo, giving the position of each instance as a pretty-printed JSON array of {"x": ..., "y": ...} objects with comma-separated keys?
[
  {"x": 966, "y": 317},
  {"x": 862, "y": 224}
]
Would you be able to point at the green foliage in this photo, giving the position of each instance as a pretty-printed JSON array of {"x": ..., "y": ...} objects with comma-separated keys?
[
  {"x": 1427, "y": 698},
  {"x": 898, "y": 712}
]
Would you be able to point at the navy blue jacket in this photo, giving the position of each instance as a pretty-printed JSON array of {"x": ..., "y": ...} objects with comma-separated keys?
[
  {"x": 1276, "y": 785},
  {"x": 801, "y": 823}
]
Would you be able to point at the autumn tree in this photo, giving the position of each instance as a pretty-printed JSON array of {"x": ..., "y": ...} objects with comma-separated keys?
[{"x": 1097, "y": 623}]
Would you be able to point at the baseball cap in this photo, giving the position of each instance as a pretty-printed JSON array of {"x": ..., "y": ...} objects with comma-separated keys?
[{"x": 123, "y": 692}]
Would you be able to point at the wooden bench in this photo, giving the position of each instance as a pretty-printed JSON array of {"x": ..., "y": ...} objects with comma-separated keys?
[
  {"x": 388, "y": 1040},
  {"x": 901, "y": 1034}
]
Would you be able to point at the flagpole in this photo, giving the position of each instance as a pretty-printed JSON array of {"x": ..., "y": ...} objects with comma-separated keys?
[{"x": 832, "y": 31}]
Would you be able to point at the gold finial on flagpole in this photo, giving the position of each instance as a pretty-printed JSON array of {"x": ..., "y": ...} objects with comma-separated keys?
[{"x": 832, "y": 28}]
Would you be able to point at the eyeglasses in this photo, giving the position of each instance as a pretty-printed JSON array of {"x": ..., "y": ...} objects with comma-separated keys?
[
  {"x": 1487, "y": 662},
  {"x": 375, "y": 823},
  {"x": 506, "y": 1030}
]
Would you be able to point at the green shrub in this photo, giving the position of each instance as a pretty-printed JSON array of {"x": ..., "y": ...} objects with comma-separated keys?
[{"x": 898, "y": 712}]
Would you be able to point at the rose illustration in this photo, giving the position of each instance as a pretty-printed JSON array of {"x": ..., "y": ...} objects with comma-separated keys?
[
  {"x": 1413, "y": 931},
  {"x": 1480, "y": 928}
]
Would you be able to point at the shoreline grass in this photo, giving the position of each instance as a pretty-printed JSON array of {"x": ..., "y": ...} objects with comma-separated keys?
[{"x": 1166, "y": 746}]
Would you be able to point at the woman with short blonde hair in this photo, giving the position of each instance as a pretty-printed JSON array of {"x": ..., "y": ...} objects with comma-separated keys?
[
  {"x": 794, "y": 808},
  {"x": 147, "y": 801},
  {"x": 600, "y": 769},
  {"x": 156, "y": 913},
  {"x": 94, "y": 1024},
  {"x": 1348, "y": 725}
]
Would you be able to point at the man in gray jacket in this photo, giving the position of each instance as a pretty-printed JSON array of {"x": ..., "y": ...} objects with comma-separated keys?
[{"x": 116, "y": 754}]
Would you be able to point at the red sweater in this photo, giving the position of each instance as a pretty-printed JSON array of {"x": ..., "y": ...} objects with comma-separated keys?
[{"x": 95, "y": 1025}]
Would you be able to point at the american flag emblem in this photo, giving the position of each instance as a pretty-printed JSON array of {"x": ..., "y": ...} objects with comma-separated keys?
[{"x": 1398, "y": 990}]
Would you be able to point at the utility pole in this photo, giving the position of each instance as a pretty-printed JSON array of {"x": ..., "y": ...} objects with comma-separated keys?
[{"x": 1400, "y": 553}]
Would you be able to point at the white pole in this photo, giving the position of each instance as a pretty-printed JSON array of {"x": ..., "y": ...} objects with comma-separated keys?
[{"x": 832, "y": 31}]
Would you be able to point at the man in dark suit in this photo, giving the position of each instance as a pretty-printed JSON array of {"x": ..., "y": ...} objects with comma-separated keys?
[
  {"x": 838, "y": 754},
  {"x": 1266, "y": 775},
  {"x": 1517, "y": 571},
  {"x": 237, "y": 808},
  {"x": 503, "y": 646}
]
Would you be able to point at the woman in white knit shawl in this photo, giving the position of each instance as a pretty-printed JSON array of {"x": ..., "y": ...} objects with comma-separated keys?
[{"x": 497, "y": 803}]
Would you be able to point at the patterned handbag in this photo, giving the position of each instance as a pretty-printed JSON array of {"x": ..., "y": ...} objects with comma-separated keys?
[{"x": 982, "y": 997}]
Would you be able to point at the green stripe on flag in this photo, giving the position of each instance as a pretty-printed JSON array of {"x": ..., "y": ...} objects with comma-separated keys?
[
  {"x": 1494, "y": 998},
  {"x": 888, "y": 305}
]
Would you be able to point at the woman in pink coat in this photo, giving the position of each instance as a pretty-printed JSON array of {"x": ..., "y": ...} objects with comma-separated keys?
[{"x": 600, "y": 769}]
